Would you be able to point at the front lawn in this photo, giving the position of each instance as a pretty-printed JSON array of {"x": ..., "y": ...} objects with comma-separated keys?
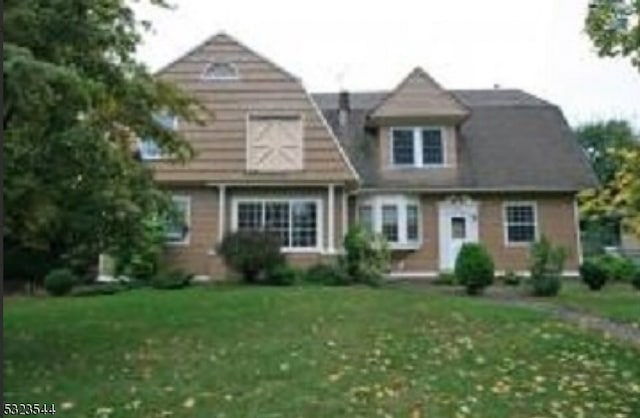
[
  {"x": 617, "y": 301},
  {"x": 309, "y": 352}
]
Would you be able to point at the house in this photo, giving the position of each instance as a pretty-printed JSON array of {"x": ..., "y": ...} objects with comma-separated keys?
[{"x": 428, "y": 168}]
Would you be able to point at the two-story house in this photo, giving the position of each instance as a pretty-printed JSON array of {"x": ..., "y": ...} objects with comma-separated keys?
[{"x": 428, "y": 168}]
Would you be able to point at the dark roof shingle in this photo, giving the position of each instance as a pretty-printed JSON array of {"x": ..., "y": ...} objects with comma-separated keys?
[{"x": 511, "y": 141}]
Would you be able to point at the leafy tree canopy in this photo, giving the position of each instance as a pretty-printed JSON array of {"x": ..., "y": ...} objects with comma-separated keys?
[
  {"x": 614, "y": 28},
  {"x": 75, "y": 100}
]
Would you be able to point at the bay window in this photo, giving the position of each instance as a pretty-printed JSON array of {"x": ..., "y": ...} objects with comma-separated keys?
[
  {"x": 295, "y": 221},
  {"x": 396, "y": 217},
  {"x": 417, "y": 147}
]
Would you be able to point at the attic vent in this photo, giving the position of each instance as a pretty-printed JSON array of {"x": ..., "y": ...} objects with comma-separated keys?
[{"x": 220, "y": 71}]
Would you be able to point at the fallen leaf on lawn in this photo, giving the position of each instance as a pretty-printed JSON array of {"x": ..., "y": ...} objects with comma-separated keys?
[{"x": 189, "y": 403}]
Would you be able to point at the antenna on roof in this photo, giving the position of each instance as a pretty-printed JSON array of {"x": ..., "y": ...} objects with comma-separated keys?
[{"x": 340, "y": 76}]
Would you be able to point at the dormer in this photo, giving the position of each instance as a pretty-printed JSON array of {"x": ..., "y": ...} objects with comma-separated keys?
[{"x": 417, "y": 124}]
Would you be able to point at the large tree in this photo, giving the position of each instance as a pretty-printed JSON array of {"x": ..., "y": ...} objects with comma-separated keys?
[
  {"x": 614, "y": 28},
  {"x": 75, "y": 100}
]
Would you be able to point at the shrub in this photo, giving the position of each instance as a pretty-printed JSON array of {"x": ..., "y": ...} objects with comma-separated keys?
[
  {"x": 474, "y": 268},
  {"x": 617, "y": 268},
  {"x": 635, "y": 280},
  {"x": 367, "y": 256},
  {"x": 593, "y": 274},
  {"x": 446, "y": 278},
  {"x": 99, "y": 289},
  {"x": 283, "y": 275},
  {"x": 251, "y": 253},
  {"x": 546, "y": 266},
  {"x": 327, "y": 274},
  {"x": 512, "y": 279},
  {"x": 141, "y": 258},
  {"x": 169, "y": 279},
  {"x": 59, "y": 282}
]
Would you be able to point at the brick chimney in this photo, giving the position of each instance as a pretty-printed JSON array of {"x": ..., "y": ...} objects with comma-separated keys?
[{"x": 344, "y": 107}]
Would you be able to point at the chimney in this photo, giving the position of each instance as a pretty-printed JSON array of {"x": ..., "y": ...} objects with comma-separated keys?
[{"x": 343, "y": 108}]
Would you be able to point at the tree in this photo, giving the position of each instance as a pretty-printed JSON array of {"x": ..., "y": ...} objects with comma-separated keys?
[
  {"x": 600, "y": 140},
  {"x": 75, "y": 100},
  {"x": 614, "y": 28},
  {"x": 620, "y": 196}
]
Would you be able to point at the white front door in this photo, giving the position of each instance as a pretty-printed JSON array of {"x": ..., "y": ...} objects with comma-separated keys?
[{"x": 458, "y": 224}]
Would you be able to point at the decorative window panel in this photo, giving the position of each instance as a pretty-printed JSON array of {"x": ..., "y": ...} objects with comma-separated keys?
[{"x": 274, "y": 143}]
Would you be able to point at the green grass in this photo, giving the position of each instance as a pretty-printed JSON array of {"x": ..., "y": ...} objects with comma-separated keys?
[
  {"x": 309, "y": 352},
  {"x": 619, "y": 301}
]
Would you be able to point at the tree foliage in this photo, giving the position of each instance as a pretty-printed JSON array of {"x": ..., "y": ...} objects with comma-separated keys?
[
  {"x": 614, "y": 28},
  {"x": 75, "y": 100}
]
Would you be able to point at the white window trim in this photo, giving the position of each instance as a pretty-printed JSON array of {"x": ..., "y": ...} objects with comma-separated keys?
[
  {"x": 204, "y": 75},
  {"x": 290, "y": 250},
  {"x": 174, "y": 127},
  {"x": 248, "y": 117},
  {"x": 417, "y": 147},
  {"x": 505, "y": 224},
  {"x": 187, "y": 238},
  {"x": 400, "y": 201}
]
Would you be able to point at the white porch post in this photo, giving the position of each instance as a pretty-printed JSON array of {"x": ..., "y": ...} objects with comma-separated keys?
[
  {"x": 345, "y": 213},
  {"x": 331, "y": 215},
  {"x": 222, "y": 205}
]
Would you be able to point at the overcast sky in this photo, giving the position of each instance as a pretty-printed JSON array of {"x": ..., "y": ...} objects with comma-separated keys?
[{"x": 535, "y": 45}]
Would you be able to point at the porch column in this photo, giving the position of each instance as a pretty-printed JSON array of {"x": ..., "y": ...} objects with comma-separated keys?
[
  {"x": 345, "y": 215},
  {"x": 222, "y": 205},
  {"x": 331, "y": 216}
]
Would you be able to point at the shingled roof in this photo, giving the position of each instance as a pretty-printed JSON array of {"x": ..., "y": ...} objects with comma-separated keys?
[{"x": 511, "y": 141}]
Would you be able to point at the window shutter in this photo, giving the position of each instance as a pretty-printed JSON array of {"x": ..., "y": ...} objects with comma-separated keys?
[{"x": 274, "y": 143}]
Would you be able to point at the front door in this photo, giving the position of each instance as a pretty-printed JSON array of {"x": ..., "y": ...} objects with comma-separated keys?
[{"x": 458, "y": 224}]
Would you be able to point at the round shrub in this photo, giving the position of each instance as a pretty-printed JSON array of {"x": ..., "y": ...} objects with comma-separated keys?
[
  {"x": 171, "y": 279},
  {"x": 474, "y": 268},
  {"x": 251, "y": 253},
  {"x": 512, "y": 279},
  {"x": 327, "y": 274},
  {"x": 617, "y": 268},
  {"x": 593, "y": 274},
  {"x": 59, "y": 282},
  {"x": 282, "y": 275}
]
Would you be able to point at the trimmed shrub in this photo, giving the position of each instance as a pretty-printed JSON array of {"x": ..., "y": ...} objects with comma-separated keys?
[
  {"x": 251, "y": 253},
  {"x": 327, "y": 274},
  {"x": 283, "y": 275},
  {"x": 546, "y": 266},
  {"x": 593, "y": 274},
  {"x": 474, "y": 268},
  {"x": 367, "y": 256},
  {"x": 446, "y": 278},
  {"x": 617, "y": 268},
  {"x": 60, "y": 282},
  {"x": 99, "y": 289},
  {"x": 171, "y": 279},
  {"x": 511, "y": 279}
]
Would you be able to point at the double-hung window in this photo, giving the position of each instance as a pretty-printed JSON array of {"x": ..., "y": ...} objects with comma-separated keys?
[
  {"x": 296, "y": 222},
  {"x": 520, "y": 222},
  {"x": 149, "y": 149},
  {"x": 417, "y": 147},
  {"x": 397, "y": 218},
  {"x": 177, "y": 226}
]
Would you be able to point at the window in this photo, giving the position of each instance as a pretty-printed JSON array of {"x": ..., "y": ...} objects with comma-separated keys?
[
  {"x": 274, "y": 143},
  {"x": 432, "y": 147},
  {"x": 365, "y": 217},
  {"x": 220, "y": 71},
  {"x": 458, "y": 227},
  {"x": 412, "y": 223},
  {"x": 403, "y": 152},
  {"x": 390, "y": 222},
  {"x": 520, "y": 223},
  {"x": 396, "y": 217},
  {"x": 296, "y": 222},
  {"x": 177, "y": 227},
  {"x": 417, "y": 147},
  {"x": 149, "y": 150}
]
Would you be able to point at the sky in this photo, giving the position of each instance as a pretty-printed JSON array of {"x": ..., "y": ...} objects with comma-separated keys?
[{"x": 535, "y": 45}]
